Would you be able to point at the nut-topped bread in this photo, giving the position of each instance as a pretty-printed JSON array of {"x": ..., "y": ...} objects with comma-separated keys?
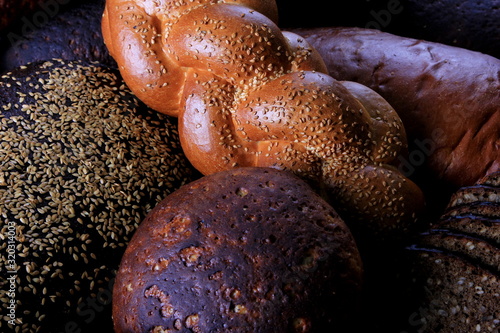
[
  {"x": 244, "y": 250},
  {"x": 82, "y": 162}
]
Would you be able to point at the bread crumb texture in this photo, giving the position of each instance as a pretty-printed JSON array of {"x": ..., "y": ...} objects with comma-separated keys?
[{"x": 82, "y": 161}]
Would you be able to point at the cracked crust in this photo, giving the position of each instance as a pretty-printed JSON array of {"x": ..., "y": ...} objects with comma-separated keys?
[{"x": 244, "y": 250}]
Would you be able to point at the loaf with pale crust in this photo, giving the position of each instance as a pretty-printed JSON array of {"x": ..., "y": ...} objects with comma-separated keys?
[
  {"x": 248, "y": 94},
  {"x": 447, "y": 97}
]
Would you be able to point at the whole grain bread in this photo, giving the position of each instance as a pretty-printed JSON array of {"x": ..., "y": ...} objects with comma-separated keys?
[
  {"x": 454, "y": 268},
  {"x": 82, "y": 162},
  {"x": 245, "y": 250},
  {"x": 72, "y": 33}
]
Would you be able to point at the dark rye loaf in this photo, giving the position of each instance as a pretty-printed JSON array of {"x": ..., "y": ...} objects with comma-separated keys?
[
  {"x": 82, "y": 162},
  {"x": 470, "y": 24},
  {"x": 72, "y": 33},
  {"x": 245, "y": 250}
]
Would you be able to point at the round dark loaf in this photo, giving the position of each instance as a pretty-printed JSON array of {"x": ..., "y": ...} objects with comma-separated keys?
[
  {"x": 73, "y": 33},
  {"x": 470, "y": 24},
  {"x": 10, "y": 11},
  {"x": 447, "y": 97},
  {"x": 23, "y": 16},
  {"x": 82, "y": 162},
  {"x": 245, "y": 250},
  {"x": 317, "y": 13}
]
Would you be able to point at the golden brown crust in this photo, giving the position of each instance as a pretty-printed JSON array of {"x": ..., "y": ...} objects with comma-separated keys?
[
  {"x": 133, "y": 35},
  {"x": 446, "y": 96},
  {"x": 248, "y": 94},
  {"x": 142, "y": 62}
]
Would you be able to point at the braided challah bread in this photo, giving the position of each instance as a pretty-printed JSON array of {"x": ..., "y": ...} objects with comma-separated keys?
[{"x": 248, "y": 94}]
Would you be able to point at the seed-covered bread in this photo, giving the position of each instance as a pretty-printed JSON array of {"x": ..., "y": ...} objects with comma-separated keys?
[
  {"x": 82, "y": 162},
  {"x": 455, "y": 266},
  {"x": 447, "y": 98},
  {"x": 250, "y": 95},
  {"x": 246, "y": 250}
]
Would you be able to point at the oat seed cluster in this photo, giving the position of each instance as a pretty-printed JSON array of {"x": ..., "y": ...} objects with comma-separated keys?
[{"x": 82, "y": 161}]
